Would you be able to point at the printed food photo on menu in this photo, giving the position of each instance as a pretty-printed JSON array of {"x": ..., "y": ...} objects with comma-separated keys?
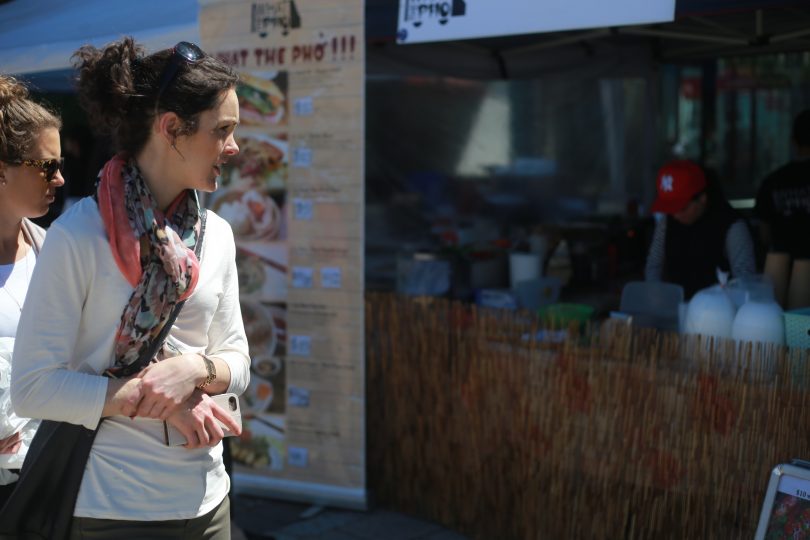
[
  {"x": 266, "y": 330},
  {"x": 262, "y": 98},
  {"x": 262, "y": 443},
  {"x": 258, "y": 279},
  {"x": 260, "y": 163},
  {"x": 252, "y": 214},
  {"x": 262, "y": 272}
]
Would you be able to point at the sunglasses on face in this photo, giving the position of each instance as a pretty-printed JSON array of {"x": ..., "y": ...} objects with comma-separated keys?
[
  {"x": 49, "y": 167},
  {"x": 183, "y": 52}
]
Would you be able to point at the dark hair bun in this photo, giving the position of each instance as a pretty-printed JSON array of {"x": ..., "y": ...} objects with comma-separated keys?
[
  {"x": 106, "y": 81},
  {"x": 118, "y": 87}
]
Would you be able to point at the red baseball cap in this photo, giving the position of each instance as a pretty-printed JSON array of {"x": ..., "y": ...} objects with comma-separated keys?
[{"x": 678, "y": 183}]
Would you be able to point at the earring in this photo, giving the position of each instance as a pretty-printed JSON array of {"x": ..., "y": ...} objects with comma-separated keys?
[{"x": 178, "y": 151}]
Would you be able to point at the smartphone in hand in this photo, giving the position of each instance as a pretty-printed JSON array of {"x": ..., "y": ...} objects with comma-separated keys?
[
  {"x": 229, "y": 402},
  {"x": 787, "y": 500}
]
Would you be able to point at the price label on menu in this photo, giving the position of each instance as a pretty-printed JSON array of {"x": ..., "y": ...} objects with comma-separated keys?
[
  {"x": 297, "y": 456},
  {"x": 302, "y": 277},
  {"x": 331, "y": 277},
  {"x": 302, "y": 157},
  {"x": 304, "y": 106},
  {"x": 302, "y": 209},
  {"x": 797, "y": 487},
  {"x": 300, "y": 345},
  {"x": 297, "y": 397}
]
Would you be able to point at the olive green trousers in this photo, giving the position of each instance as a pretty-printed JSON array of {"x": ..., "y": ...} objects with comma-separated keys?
[{"x": 215, "y": 525}]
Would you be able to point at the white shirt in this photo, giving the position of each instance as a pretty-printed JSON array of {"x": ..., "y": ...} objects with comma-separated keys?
[
  {"x": 14, "y": 280},
  {"x": 65, "y": 340}
]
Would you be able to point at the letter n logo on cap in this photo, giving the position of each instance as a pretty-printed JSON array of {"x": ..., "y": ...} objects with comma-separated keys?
[{"x": 667, "y": 183}]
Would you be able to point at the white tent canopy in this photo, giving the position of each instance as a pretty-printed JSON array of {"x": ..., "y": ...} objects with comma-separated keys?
[{"x": 41, "y": 35}]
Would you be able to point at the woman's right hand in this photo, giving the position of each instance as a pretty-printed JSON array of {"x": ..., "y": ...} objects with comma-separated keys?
[
  {"x": 123, "y": 397},
  {"x": 168, "y": 384},
  {"x": 11, "y": 444},
  {"x": 197, "y": 419}
]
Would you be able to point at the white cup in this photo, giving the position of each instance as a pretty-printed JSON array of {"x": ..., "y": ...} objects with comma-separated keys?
[{"x": 523, "y": 267}]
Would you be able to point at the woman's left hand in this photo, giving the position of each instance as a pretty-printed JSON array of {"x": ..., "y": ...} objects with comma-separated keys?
[
  {"x": 199, "y": 421},
  {"x": 167, "y": 384},
  {"x": 11, "y": 444}
]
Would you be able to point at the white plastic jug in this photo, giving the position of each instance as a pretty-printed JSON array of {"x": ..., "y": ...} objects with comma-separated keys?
[
  {"x": 757, "y": 287},
  {"x": 759, "y": 321},
  {"x": 710, "y": 313}
]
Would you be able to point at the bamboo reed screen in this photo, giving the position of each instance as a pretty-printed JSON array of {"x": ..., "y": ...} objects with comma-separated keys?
[{"x": 484, "y": 422}]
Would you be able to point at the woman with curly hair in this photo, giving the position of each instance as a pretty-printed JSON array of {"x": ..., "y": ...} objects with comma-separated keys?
[{"x": 114, "y": 268}]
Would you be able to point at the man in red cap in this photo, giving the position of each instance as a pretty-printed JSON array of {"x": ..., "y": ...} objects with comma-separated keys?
[{"x": 698, "y": 232}]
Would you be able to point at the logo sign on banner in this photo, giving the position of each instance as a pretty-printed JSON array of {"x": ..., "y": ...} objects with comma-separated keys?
[
  {"x": 282, "y": 14},
  {"x": 442, "y": 20}
]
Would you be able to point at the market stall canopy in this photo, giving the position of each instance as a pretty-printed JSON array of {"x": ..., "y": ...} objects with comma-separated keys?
[
  {"x": 41, "y": 35},
  {"x": 701, "y": 29},
  {"x": 37, "y": 38},
  {"x": 696, "y": 7},
  {"x": 429, "y": 20}
]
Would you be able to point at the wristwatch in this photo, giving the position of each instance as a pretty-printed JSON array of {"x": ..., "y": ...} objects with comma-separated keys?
[{"x": 211, "y": 370}]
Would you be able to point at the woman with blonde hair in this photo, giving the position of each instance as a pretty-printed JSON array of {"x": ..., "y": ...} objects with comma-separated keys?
[{"x": 30, "y": 172}]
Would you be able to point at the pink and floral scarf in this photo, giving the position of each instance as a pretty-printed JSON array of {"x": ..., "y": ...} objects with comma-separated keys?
[{"x": 154, "y": 252}]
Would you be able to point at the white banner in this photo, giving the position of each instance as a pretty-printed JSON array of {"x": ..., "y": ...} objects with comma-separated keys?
[
  {"x": 294, "y": 198},
  {"x": 441, "y": 20}
]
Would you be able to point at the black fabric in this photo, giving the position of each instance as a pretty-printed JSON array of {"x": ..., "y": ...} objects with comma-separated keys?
[
  {"x": 227, "y": 460},
  {"x": 6, "y": 489},
  {"x": 693, "y": 252},
  {"x": 42, "y": 503},
  {"x": 783, "y": 202}
]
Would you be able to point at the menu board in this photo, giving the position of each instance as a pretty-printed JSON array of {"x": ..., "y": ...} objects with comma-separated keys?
[{"x": 294, "y": 198}]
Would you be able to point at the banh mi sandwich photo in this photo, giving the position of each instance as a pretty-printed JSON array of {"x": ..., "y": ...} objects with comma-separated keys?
[{"x": 261, "y": 101}]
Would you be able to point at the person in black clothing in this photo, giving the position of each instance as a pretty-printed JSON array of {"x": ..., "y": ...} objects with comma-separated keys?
[
  {"x": 699, "y": 232},
  {"x": 783, "y": 201}
]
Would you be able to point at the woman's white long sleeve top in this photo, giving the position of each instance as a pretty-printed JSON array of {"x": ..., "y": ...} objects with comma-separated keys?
[{"x": 65, "y": 341}]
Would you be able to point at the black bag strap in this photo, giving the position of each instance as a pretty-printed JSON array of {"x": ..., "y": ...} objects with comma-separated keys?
[{"x": 157, "y": 343}]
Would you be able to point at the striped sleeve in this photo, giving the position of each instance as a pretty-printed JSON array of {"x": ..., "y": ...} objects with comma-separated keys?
[
  {"x": 654, "y": 269},
  {"x": 740, "y": 250}
]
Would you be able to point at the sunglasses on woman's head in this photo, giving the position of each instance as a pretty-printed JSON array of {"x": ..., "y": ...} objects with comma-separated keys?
[
  {"x": 49, "y": 167},
  {"x": 183, "y": 52}
]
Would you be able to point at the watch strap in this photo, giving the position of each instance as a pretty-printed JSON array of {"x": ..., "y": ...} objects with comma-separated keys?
[{"x": 211, "y": 370}]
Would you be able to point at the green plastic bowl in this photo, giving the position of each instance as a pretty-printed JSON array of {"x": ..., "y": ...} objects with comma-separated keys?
[{"x": 565, "y": 314}]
